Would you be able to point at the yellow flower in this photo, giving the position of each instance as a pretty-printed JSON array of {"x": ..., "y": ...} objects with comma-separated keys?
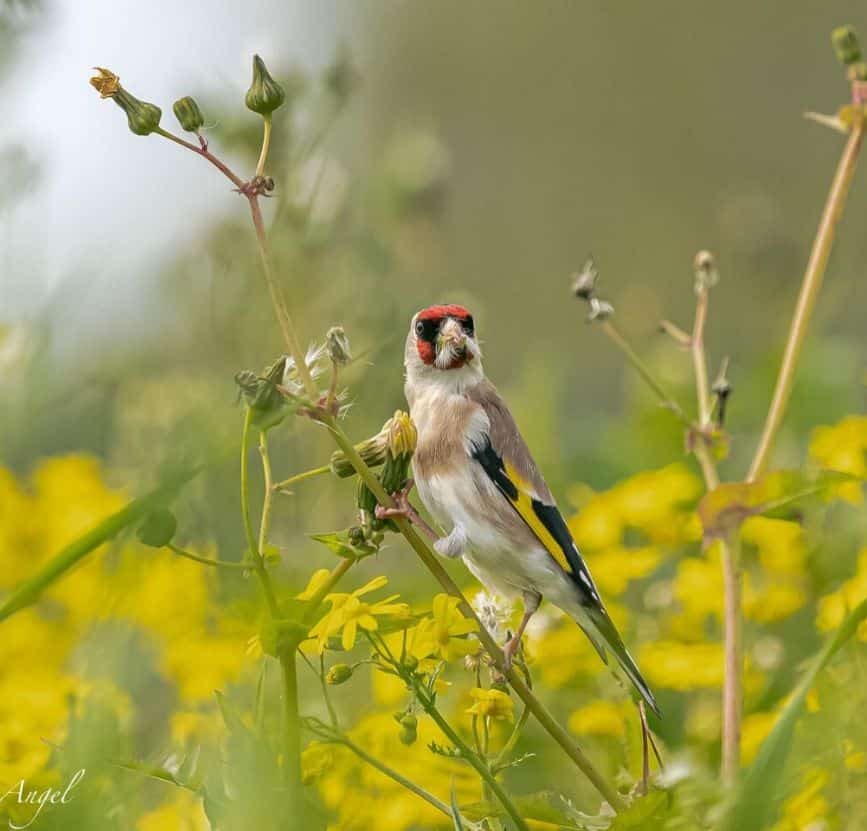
[
  {"x": 317, "y": 581},
  {"x": 754, "y": 731},
  {"x": 617, "y": 566},
  {"x": 491, "y": 704},
  {"x": 682, "y": 666},
  {"x": 349, "y": 613},
  {"x": 780, "y": 543},
  {"x": 835, "y": 606},
  {"x": 316, "y": 760},
  {"x": 441, "y": 634},
  {"x": 843, "y": 447},
  {"x": 183, "y": 813},
  {"x": 808, "y": 808},
  {"x": 599, "y": 718}
]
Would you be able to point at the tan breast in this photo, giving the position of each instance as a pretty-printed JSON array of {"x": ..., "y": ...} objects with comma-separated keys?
[{"x": 444, "y": 423}]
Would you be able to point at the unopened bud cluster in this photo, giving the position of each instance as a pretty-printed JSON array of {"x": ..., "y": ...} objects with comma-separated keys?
[{"x": 584, "y": 288}]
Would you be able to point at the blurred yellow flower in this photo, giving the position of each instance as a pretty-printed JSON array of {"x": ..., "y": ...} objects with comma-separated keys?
[
  {"x": 316, "y": 582},
  {"x": 442, "y": 633},
  {"x": 348, "y": 613},
  {"x": 681, "y": 666},
  {"x": 599, "y": 718},
  {"x": 834, "y": 607},
  {"x": 182, "y": 813},
  {"x": 808, "y": 809},
  {"x": 616, "y": 567},
  {"x": 316, "y": 760},
  {"x": 754, "y": 730},
  {"x": 843, "y": 447},
  {"x": 493, "y": 704},
  {"x": 780, "y": 544}
]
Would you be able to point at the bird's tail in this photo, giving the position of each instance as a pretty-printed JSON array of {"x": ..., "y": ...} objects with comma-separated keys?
[{"x": 603, "y": 634}]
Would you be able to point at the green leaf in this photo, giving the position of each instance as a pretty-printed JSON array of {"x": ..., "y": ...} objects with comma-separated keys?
[
  {"x": 541, "y": 806},
  {"x": 757, "y": 794},
  {"x": 725, "y": 508},
  {"x": 158, "y": 528},
  {"x": 344, "y": 546},
  {"x": 28, "y": 591},
  {"x": 644, "y": 813}
]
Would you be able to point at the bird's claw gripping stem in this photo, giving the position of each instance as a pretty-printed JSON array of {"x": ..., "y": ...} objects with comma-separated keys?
[{"x": 404, "y": 510}]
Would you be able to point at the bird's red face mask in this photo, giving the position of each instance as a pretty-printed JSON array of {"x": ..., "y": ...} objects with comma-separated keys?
[{"x": 445, "y": 337}]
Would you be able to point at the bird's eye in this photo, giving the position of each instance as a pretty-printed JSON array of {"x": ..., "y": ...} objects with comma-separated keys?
[
  {"x": 469, "y": 326},
  {"x": 419, "y": 328}
]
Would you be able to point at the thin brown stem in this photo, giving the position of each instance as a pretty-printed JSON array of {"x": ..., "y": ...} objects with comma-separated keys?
[
  {"x": 732, "y": 695},
  {"x": 699, "y": 362},
  {"x": 205, "y": 154},
  {"x": 810, "y": 286},
  {"x": 613, "y": 334}
]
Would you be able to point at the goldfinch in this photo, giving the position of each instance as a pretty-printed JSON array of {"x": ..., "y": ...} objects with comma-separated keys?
[{"x": 478, "y": 481}]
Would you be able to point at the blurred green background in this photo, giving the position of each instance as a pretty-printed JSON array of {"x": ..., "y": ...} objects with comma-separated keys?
[{"x": 444, "y": 151}]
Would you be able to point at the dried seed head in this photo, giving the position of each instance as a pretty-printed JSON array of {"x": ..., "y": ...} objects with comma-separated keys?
[
  {"x": 599, "y": 310},
  {"x": 106, "y": 83},
  {"x": 706, "y": 274},
  {"x": 337, "y": 344},
  {"x": 584, "y": 281}
]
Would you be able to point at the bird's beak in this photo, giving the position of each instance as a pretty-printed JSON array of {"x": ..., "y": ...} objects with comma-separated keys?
[{"x": 452, "y": 338}]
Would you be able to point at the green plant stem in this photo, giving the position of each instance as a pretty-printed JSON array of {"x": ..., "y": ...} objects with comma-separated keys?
[
  {"x": 291, "y": 721},
  {"x": 27, "y": 592},
  {"x": 810, "y": 286},
  {"x": 268, "y": 500},
  {"x": 641, "y": 368},
  {"x": 475, "y": 760},
  {"x": 205, "y": 560},
  {"x": 512, "y": 740},
  {"x": 431, "y": 561},
  {"x": 266, "y": 144},
  {"x": 278, "y": 302},
  {"x": 300, "y": 477},
  {"x": 205, "y": 154}
]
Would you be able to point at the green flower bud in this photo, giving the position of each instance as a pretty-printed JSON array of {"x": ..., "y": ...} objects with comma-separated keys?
[
  {"x": 337, "y": 345},
  {"x": 845, "y": 43},
  {"x": 338, "y": 674},
  {"x": 143, "y": 118},
  {"x": 265, "y": 94},
  {"x": 188, "y": 114},
  {"x": 372, "y": 450},
  {"x": 407, "y": 736},
  {"x": 409, "y": 721},
  {"x": 410, "y": 662},
  {"x": 158, "y": 528}
]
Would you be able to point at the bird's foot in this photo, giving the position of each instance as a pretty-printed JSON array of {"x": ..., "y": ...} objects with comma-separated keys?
[
  {"x": 402, "y": 509},
  {"x": 509, "y": 651}
]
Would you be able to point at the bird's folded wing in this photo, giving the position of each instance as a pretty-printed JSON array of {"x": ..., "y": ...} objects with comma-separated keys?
[{"x": 543, "y": 519}]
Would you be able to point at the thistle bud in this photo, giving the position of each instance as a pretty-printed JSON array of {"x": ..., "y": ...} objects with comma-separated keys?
[
  {"x": 402, "y": 435},
  {"x": 337, "y": 345},
  {"x": 338, "y": 674},
  {"x": 371, "y": 450},
  {"x": 265, "y": 94},
  {"x": 845, "y": 44},
  {"x": 158, "y": 528},
  {"x": 188, "y": 114},
  {"x": 143, "y": 118}
]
